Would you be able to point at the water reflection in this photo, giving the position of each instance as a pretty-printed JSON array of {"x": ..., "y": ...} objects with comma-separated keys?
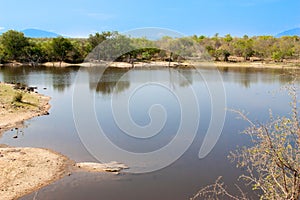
[
  {"x": 114, "y": 79},
  {"x": 248, "y": 76},
  {"x": 246, "y": 89},
  {"x": 107, "y": 83},
  {"x": 59, "y": 78},
  {"x": 118, "y": 80}
]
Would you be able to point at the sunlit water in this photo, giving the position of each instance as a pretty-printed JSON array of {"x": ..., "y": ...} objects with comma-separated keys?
[{"x": 253, "y": 91}]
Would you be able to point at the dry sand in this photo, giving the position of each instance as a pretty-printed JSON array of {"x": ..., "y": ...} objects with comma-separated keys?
[
  {"x": 188, "y": 63},
  {"x": 24, "y": 170}
]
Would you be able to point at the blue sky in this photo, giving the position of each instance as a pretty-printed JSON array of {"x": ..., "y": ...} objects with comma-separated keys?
[{"x": 82, "y": 17}]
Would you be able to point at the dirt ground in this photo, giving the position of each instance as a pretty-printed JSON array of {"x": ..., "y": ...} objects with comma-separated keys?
[{"x": 24, "y": 170}]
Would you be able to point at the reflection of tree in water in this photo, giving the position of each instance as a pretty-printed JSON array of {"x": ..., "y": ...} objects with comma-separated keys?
[
  {"x": 186, "y": 78},
  {"x": 61, "y": 82},
  {"x": 247, "y": 76},
  {"x": 59, "y": 78},
  {"x": 62, "y": 78},
  {"x": 15, "y": 74},
  {"x": 288, "y": 77},
  {"x": 107, "y": 87},
  {"x": 180, "y": 77},
  {"x": 109, "y": 82}
]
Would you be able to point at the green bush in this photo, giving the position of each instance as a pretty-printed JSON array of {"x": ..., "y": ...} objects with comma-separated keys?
[{"x": 18, "y": 97}]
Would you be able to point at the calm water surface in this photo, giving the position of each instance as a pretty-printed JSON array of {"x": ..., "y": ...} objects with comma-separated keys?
[{"x": 250, "y": 90}]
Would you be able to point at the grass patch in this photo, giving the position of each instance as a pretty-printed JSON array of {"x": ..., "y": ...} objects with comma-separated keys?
[
  {"x": 11, "y": 98},
  {"x": 18, "y": 97}
]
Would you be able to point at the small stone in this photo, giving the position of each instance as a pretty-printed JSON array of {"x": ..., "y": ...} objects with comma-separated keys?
[{"x": 15, "y": 137}]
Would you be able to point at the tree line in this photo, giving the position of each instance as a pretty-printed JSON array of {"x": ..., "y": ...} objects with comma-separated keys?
[{"x": 15, "y": 47}]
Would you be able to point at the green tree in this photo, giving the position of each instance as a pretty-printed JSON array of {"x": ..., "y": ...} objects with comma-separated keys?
[
  {"x": 244, "y": 47},
  {"x": 95, "y": 40},
  {"x": 114, "y": 47},
  {"x": 228, "y": 38},
  {"x": 34, "y": 54},
  {"x": 277, "y": 55},
  {"x": 14, "y": 44},
  {"x": 78, "y": 52},
  {"x": 262, "y": 46},
  {"x": 1, "y": 53},
  {"x": 61, "y": 47}
]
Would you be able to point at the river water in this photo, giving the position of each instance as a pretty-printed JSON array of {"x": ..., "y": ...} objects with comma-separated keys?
[{"x": 254, "y": 91}]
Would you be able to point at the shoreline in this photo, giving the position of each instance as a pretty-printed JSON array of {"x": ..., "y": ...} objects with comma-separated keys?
[
  {"x": 14, "y": 119},
  {"x": 26, "y": 169},
  {"x": 187, "y": 64}
]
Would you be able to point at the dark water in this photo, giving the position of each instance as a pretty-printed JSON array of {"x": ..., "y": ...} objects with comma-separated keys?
[{"x": 255, "y": 91}]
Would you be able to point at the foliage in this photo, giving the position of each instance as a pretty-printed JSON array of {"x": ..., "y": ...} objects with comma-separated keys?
[
  {"x": 18, "y": 97},
  {"x": 60, "y": 48},
  {"x": 112, "y": 48},
  {"x": 14, "y": 46}
]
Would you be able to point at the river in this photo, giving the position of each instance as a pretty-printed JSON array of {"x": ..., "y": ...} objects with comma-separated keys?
[{"x": 152, "y": 92}]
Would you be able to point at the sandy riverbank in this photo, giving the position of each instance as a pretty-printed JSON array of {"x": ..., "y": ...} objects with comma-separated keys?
[
  {"x": 258, "y": 65},
  {"x": 24, "y": 170},
  {"x": 201, "y": 64}
]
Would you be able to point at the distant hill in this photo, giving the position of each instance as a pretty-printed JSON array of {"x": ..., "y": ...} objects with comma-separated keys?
[
  {"x": 36, "y": 33},
  {"x": 292, "y": 32}
]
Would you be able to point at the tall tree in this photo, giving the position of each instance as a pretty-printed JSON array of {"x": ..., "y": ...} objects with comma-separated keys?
[
  {"x": 61, "y": 47},
  {"x": 14, "y": 44}
]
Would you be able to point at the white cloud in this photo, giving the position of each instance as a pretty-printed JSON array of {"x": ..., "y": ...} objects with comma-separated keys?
[{"x": 2, "y": 28}]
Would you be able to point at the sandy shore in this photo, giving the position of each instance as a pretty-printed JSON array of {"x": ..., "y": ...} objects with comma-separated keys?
[
  {"x": 262, "y": 65},
  {"x": 258, "y": 65},
  {"x": 24, "y": 170},
  {"x": 116, "y": 64},
  {"x": 200, "y": 64}
]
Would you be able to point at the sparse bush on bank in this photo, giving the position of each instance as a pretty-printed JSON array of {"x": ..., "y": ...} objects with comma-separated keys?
[
  {"x": 271, "y": 165},
  {"x": 18, "y": 97}
]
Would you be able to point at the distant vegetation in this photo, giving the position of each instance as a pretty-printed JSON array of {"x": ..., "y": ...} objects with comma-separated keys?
[{"x": 15, "y": 47}]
